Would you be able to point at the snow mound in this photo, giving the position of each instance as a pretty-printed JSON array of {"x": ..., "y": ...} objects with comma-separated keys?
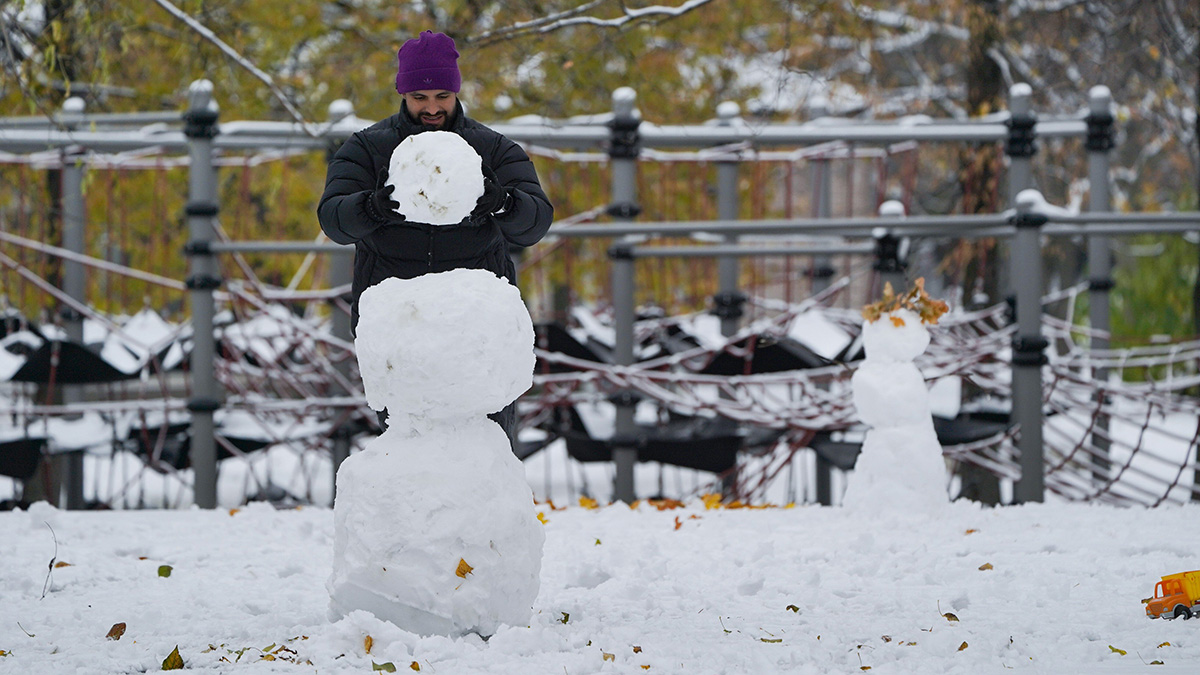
[
  {"x": 438, "y": 178},
  {"x": 436, "y": 532}
]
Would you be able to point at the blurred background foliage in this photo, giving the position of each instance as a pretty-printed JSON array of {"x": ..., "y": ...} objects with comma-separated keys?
[{"x": 779, "y": 59}]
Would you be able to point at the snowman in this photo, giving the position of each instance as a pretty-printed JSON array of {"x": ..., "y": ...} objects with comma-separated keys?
[
  {"x": 900, "y": 467},
  {"x": 434, "y": 524}
]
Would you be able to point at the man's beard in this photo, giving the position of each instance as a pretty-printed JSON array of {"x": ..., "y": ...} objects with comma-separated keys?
[{"x": 442, "y": 124}]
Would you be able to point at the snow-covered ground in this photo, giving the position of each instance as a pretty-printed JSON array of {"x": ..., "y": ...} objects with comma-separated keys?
[{"x": 1050, "y": 588}]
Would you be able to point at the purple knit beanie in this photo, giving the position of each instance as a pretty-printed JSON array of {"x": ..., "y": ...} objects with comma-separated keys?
[{"x": 428, "y": 62}]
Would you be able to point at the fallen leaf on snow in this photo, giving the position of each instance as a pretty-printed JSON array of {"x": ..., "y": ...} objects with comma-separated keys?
[
  {"x": 173, "y": 661},
  {"x": 985, "y": 567},
  {"x": 1122, "y": 652},
  {"x": 463, "y": 569},
  {"x": 962, "y": 646},
  {"x": 950, "y": 616},
  {"x": 608, "y": 657},
  {"x": 542, "y": 518},
  {"x": 385, "y": 667},
  {"x": 637, "y": 649},
  {"x": 1165, "y": 644},
  {"x": 116, "y": 631},
  {"x": 164, "y": 571}
]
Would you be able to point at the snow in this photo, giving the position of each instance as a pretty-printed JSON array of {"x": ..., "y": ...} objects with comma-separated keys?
[
  {"x": 438, "y": 178},
  {"x": 711, "y": 592},
  {"x": 434, "y": 523},
  {"x": 901, "y": 465}
]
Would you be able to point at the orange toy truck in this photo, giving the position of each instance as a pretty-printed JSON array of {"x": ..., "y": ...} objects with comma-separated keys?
[{"x": 1176, "y": 596}]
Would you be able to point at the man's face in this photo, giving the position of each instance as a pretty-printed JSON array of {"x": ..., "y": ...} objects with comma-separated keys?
[{"x": 431, "y": 107}]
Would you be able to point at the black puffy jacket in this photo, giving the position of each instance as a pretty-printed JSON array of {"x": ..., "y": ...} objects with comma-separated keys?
[{"x": 411, "y": 249}]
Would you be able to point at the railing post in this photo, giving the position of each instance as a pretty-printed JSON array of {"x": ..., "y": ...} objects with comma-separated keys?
[
  {"x": 1026, "y": 271},
  {"x": 1099, "y": 142},
  {"x": 74, "y": 281},
  {"x": 623, "y": 152},
  {"x": 341, "y": 272},
  {"x": 200, "y": 126},
  {"x": 822, "y": 195},
  {"x": 727, "y": 303},
  {"x": 890, "y": 250},
  {"x": 1028, "y": 348}
]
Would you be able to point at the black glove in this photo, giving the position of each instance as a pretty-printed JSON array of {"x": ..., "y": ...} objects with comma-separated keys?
[
  {"x": 495, "y": 199},
  {"x": 380, "y": 206}
]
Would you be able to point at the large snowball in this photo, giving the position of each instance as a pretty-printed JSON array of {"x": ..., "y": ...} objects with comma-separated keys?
[
  {"x": 446, "y": 345},
  {"x": 411, "y": 507},
  {"x": 438, "y": 178}
]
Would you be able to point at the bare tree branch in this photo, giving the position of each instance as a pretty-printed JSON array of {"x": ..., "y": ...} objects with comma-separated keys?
[
  {"x": 572, "y": 17},
  {"x": 207, "y": 34}
]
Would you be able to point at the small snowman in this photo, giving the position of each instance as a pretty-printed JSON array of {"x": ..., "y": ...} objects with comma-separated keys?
[
  {"x": 434, "y": 524},
  {"x": 900, "y": 467}
]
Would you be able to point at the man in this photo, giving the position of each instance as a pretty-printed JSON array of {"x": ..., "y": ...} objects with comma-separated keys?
[{"x": 357, "y": 207}]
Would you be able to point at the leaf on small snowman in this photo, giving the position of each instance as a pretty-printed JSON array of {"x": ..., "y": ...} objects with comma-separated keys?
[
  {"x": 463, "y": 569},
  {"x": 173, "y": 661},
  {"x": 117, "y": 630}
]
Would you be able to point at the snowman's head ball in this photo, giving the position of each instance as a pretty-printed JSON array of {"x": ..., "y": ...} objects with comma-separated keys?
[{"x": 438, "y": 177}]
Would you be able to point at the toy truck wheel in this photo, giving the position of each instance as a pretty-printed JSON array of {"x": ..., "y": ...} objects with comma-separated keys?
[{"x": 1182, "y": 612}]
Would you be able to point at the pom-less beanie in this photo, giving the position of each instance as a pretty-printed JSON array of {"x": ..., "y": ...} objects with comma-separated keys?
[{"x": 429, "y": 61}]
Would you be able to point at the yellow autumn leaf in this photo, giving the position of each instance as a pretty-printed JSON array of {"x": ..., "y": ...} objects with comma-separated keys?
[
  {"x": 1122, "y": 652},
  {"x": 173, "y": 661},
  {"x": 3, "y": 652},
  {"x": 770, "y": 640},
  {"x": 589, "y": 503},
  {"x": 116, "y": 631},
  {"x": 971, "y": 531},
  {"x": 1156, "y": 662},
  {"x": 962, "y": 646},
  {"x": 463, "y": 569},
  {"x": 985, "y": 567},
  {"x": 608, "y": 657},
  {"x": 1165, "y": 644},
  {"x": 60, "y": 564},
  {"x": 368, "y": 642},
  {"x": 386, "y": 667},
  {"x": 897, "y": 321},
  {"x": 415, "y": 666},
  {"x": 645, "y": 667},
  {"x": 542, "y": 518},
  {"x": 637, "y": 649},
  {"x": 711, "y": 501},
  {"x": 233, "y": 512}
]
